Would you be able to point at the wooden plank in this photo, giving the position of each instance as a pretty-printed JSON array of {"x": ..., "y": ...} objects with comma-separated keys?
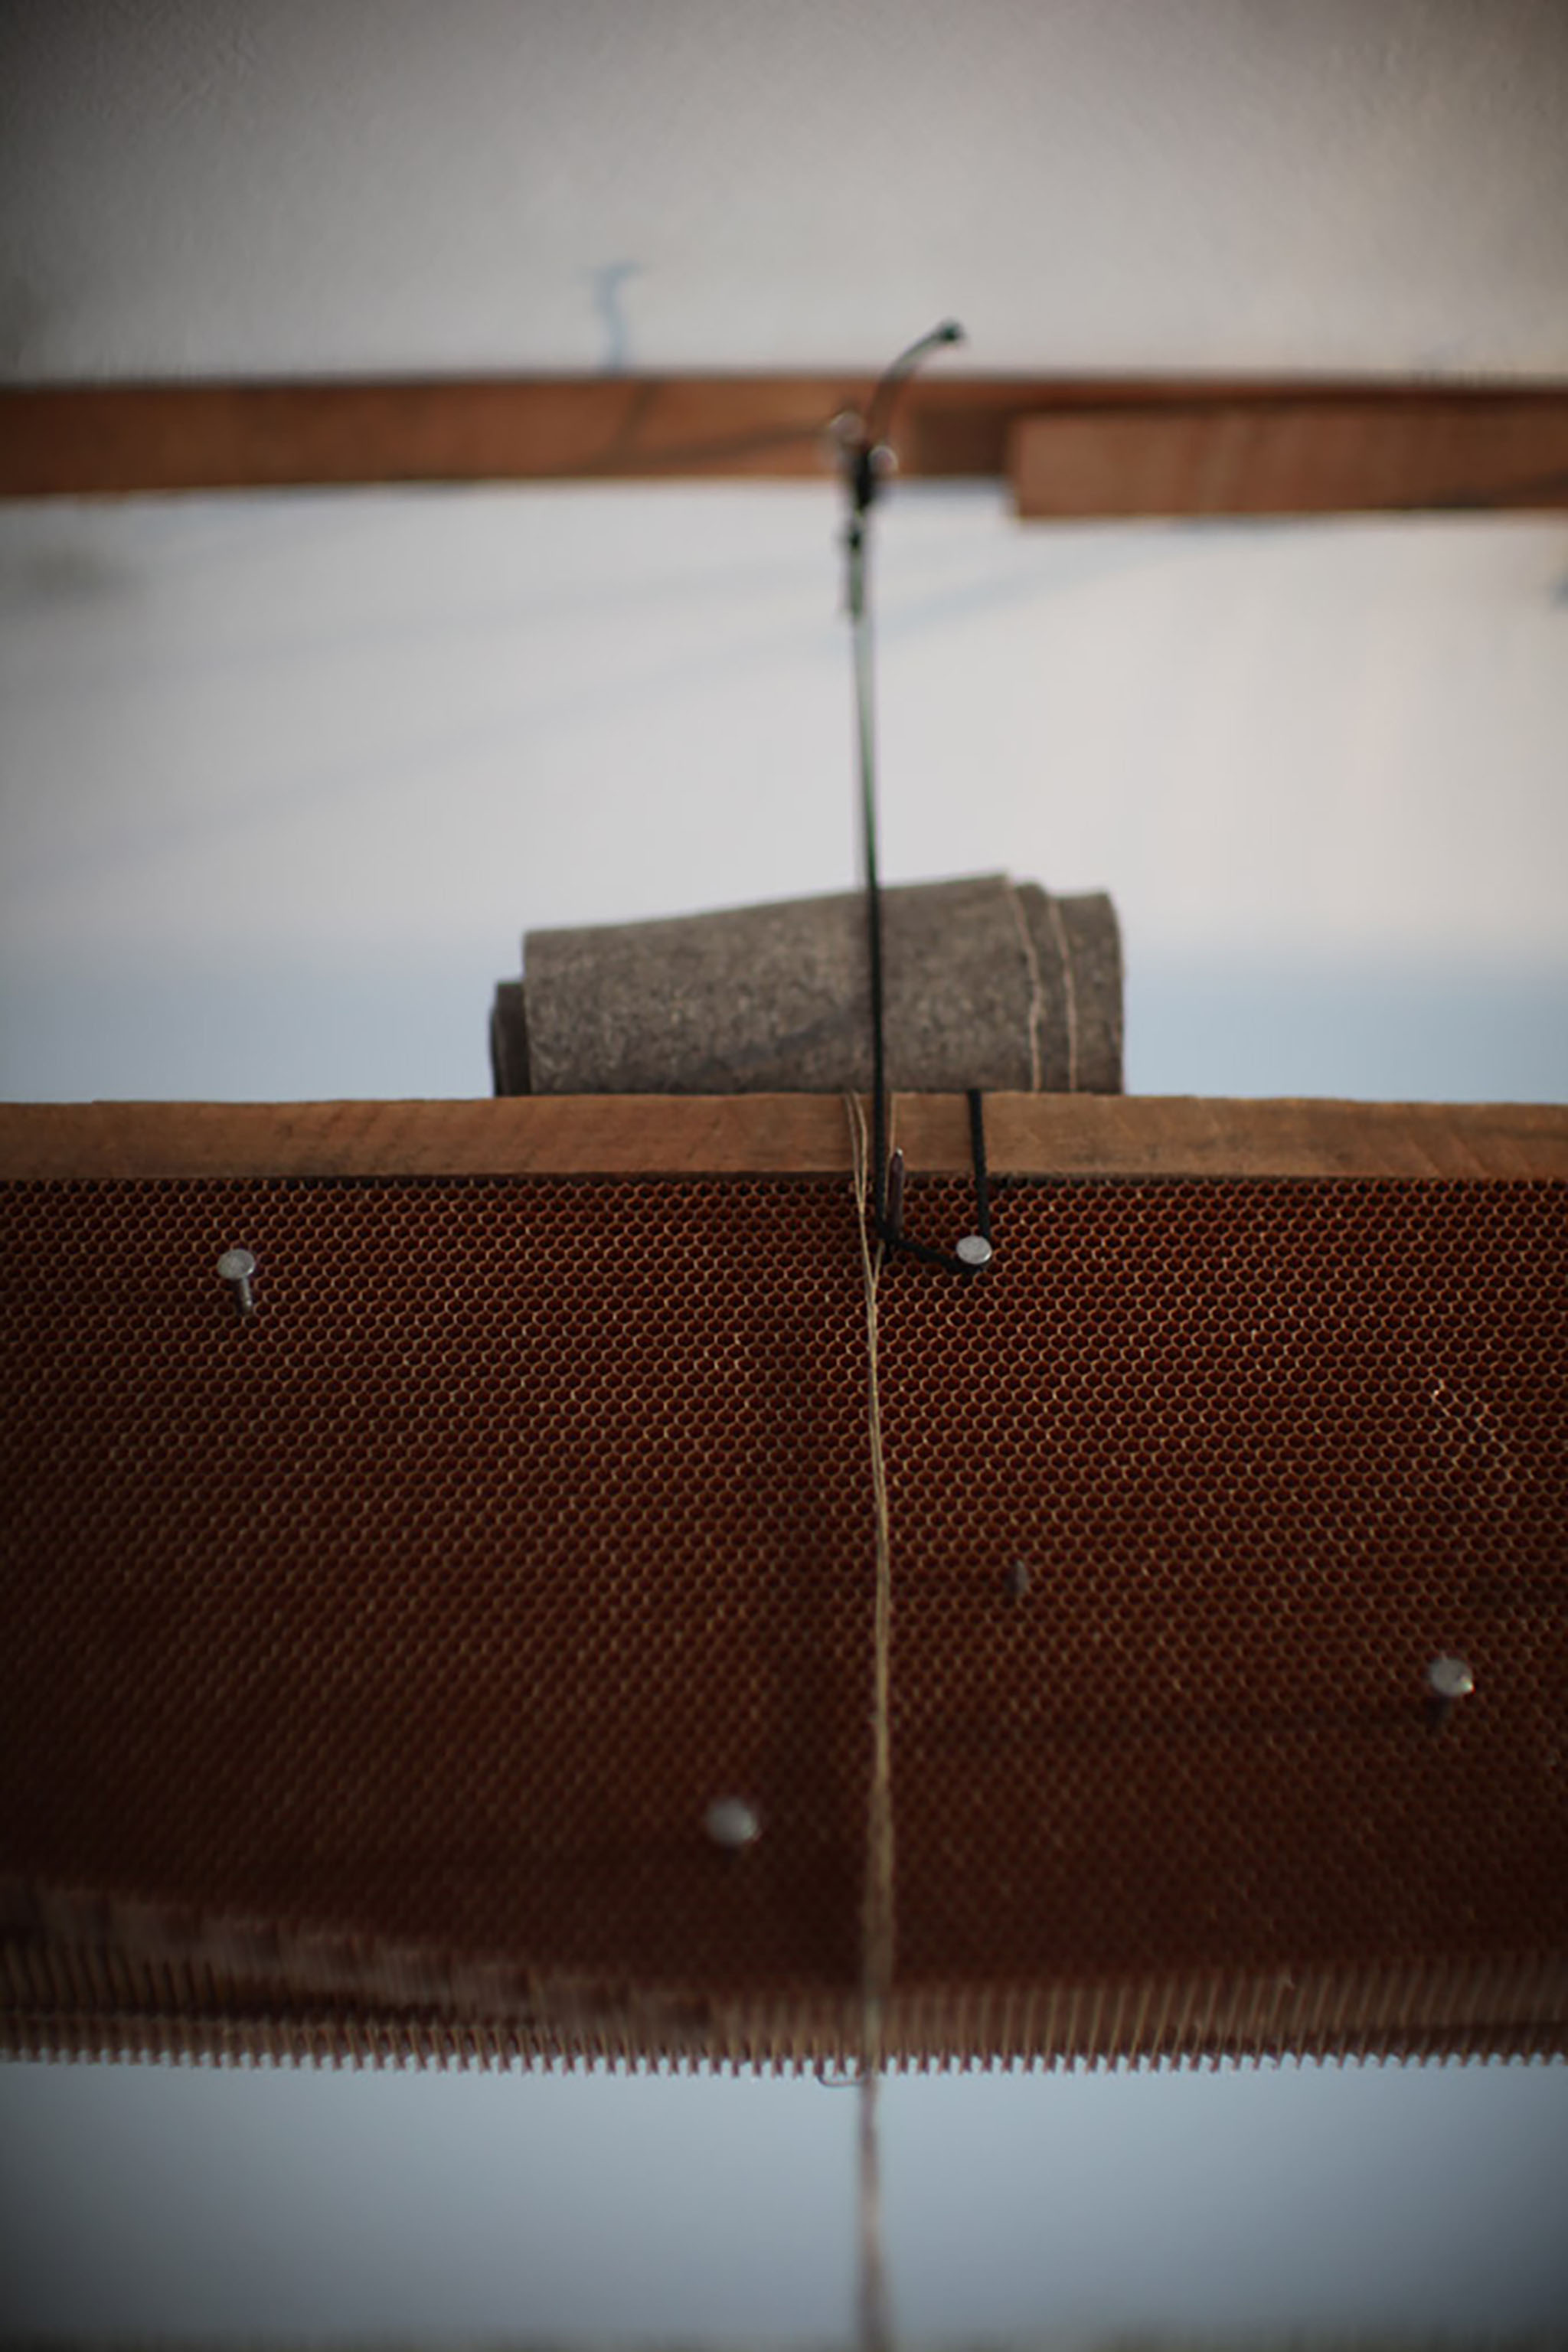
[
  {"x": 84, "y": 440},
  {"x": 566, "y": 1135},
  {"x": 1078, "y": 446},
  {"x": 1393, "y": 452}
]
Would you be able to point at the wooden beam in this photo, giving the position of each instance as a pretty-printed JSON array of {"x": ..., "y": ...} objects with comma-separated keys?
[
  {"x": 1390, "y": 452},
  {"x": 1082, "y": 447},
  {"x": 683, "y": 1135}
]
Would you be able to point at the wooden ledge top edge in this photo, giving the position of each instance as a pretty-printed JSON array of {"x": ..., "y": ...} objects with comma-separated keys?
[{"x": 803, "y": 1134}]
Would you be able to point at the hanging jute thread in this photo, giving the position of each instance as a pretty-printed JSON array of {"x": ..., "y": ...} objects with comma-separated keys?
[
  {"x": 1069, "y": 991},
  {"x": 877, "y": 1916}
]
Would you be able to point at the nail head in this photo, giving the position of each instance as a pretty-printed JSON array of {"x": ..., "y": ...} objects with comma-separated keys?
[
  {"x": 974, "y": 1250},
  {"x": 732, "y": 1823},
  {"x": 1450, "y": 1678},
  {"x": 237, "y": 1265}
]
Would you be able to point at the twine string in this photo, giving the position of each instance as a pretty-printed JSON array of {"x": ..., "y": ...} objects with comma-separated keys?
[
  {"x": 877, "y": 1905},
  {"x": 1069, "y": 988},
  {"x": 1036, "y": 992}
]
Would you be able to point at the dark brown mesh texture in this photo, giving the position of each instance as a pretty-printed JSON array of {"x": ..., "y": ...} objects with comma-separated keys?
[{"x": 367, "y": 1667}]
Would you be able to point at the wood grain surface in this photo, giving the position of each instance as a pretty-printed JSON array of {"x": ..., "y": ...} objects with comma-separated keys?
[
  {"x": 1390, "y": 451},
  {"x": 566, "y": 1135},
  {"x": 1082, "y": 447}
]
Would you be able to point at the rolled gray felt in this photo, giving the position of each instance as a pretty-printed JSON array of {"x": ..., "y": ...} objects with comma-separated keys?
[{"x": 988, "y": 983}]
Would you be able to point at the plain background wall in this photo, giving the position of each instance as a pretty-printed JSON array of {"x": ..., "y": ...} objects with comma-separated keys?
[
  {"x": 282, "y": 780},
  {"x": 286, "y": 778},
  {"x": 306, "y": 185}
]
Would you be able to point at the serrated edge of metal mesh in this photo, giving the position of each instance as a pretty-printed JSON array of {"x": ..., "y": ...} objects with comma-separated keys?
[{"x": 151, "y": 1983}]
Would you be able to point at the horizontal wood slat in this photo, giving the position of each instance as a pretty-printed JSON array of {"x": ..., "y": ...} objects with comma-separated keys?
[
  {"x": 1388, "y": 452},
  {"x": 1084, "y": 447},
  {"x": 1082, "y": 1135}
]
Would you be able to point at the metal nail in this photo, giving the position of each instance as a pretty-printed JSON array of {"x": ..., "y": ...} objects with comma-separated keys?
[
  {"x": 236, "y": 1267},
  {"x": 1017, "y": 1580},
  {"x": 1448, "y": 1679},
  {"x": 732, "y": 1823}
]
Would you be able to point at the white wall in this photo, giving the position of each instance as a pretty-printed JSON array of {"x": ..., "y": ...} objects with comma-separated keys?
[
  {"x": 215, "y": 185},
  {"x": 1319, "y": 765},
  {"x": 506, "y": 2209},
  {"x": 285, "y": 780}
]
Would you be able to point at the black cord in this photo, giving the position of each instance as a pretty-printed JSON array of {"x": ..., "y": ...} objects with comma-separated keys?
[
  {"x": 861, "y": 625},
  {"x": 879, "y": 416},
  {"x": 982, "y": 1172},
  {"x": 892, "y": 1234},
  {"x": 863, "y": 456}
]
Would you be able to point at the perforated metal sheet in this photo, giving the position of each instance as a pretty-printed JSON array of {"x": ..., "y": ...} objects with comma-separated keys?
[{"x": 367, "y": 1666}]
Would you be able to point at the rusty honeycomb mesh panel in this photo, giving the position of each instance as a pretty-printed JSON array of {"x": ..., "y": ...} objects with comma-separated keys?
[{"x": 367, "y": 1665}]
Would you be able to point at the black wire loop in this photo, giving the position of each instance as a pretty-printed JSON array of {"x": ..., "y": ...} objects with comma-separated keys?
[
  {"x": 860, "y": 460},
  {"x": 889, "y": 1222}
]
